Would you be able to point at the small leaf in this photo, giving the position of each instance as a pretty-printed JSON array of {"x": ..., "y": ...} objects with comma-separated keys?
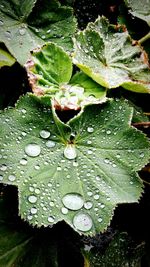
[
  {"x": 83, "y": 189},
  {"x": 105, "y": 52},
  {"x": 32, "y": 23},
  {"x": 140, "y": 9},
  {"x": 49, "y": 72},
  {"x": 5, "y": 58}
]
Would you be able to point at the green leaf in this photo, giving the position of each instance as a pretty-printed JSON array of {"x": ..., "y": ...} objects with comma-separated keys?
[
  {"x": 5, "y": 58},
  {"x": 120, "y": 252},
  {"x": 49, "y": 72},
  {"x": 140, "y": 9},
  {"x": 106, "y": 53},
  {"x": 29, "y": 24},
  {"x": 76, "y": 172}
]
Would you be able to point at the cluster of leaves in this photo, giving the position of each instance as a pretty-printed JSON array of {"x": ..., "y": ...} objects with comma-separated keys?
[{"x": 76, "y": 170}]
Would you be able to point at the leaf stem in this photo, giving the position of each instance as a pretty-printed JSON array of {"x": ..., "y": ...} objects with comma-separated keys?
[
  {"x": 144, "y": 38},
  {"x": 141, "y": 124}
]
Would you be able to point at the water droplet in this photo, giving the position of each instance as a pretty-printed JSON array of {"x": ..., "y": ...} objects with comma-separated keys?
[
  {"x": 82, "y": 222},
  {"x": 106, "y": 161},
  {"x": 108, "y": 132},
  {"x": 75, "y": 164},
  {"x": 33, "y": 210},
  {"x": 3, "y": 167},
  {"x": 64, "y": 210},
  {"x": 89, "y": 194},
  {"x": 1, "y": 177},
  {"x": 100, "y": 219},
  {"x": 22, "y": 31},
  {"x": 70, "y": 152},
  {"x": 142, "y": 155},
  {"x": 50, "y": 219},
  {"x": 37, "y": 191},
  {"x": 29, "y": 217},
  {"x": 73, "y": 201},
  {"x": 23, "y": 161},
  {"x": 89, "y": 142},
  {"x": 33, "y": 150},
  {"x": 36, "y": 167},
  {"x": 44, "y": 134},
  {"x": 11, "y": 178},
  {"x": 96, "y": 197},
  {"x": 90, "y": 129},
  {"x": 88, "y": 205},
  {"x": 51, "y": 203},
  {"x": 32, "y": 199},
  {"x": 50, "y": 144}
]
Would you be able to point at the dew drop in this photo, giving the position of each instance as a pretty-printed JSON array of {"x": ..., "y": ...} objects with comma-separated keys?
[
  {"x": 32, "y": 199},
  {"x": 100, "y": 219},
  {"x": 142, "y": 155},
  {"x": 73, "y": 201},
  {"x": 90, "y": 129},
  {"x": 82, "y": 222},
  {"x": 37, "y": 191},
  {"x": 64, "y": 210},
  {"x": 50, "y": 219},
  {"x": 50, "y": 144},
  {"x": 108, "y": 132},
  {"x": 1, "y": 22},
  {"x": 33, "y": 210},
  {"x": 33, "y": 150},
  {"x": 88, "y": 205},
  {"x": 3, "y": 167},
  {"x": 22, "y": 31},
  {"x": 23, "y": 161},
  {"x": 70, "y": 152},
  {"x": 75, "y": 164},
  {"x": 44, "y": 134},
  {"x": 11, "y": 178},
  {"x": 1, "y": 177},
  {"x": 96, "y": 197}
]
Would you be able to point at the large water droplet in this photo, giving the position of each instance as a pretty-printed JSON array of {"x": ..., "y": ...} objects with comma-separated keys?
[
  {"x": 82, "y": 222},
  {"x": 32, "y": 199},
  {"x": 50, "y": 144},
  {"x": 73, "y": 201},
  {"x": 11, "y": 178},
  {"x": 70, "y": 152},
  {"x": 33, "y": 150},
  {"x": 1, "y": 177},
  {"x": 44, "y": 134}
]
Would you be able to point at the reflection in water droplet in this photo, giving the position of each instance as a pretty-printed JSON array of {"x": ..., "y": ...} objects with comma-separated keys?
[
  {"x": 70, "y": 152},
  {"x": 33, "y": 150},
  {"x": 33, "y": 210},
  {"x": 23, "y": 161},
  {"x": 32, "y": 199},
  {"x": 11, "y": 178},
  {"x": 82, "y": 222},
  {"x": 73, "y": 201},
  {"x": 90, "y": 129},
  {"x": 50, "y": 144},
  {"x": 64, "y": 210},
  {"x": 50, "y": 219},
  {"x": 88, "y": 205},
  {"x": 44, "y": 134}
]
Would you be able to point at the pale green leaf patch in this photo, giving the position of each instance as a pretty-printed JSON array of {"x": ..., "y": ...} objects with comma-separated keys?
[
  {"x": 5, "y": 58},
  {"x": 106, "y": 53},
  {"x": 77, "y": 172},
  {"x": 25, "y": 25},
  {"x": 50, "y": 76}
]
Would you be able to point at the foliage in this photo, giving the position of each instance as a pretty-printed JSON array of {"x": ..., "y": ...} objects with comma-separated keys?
[{"x": 70, "y": 146}]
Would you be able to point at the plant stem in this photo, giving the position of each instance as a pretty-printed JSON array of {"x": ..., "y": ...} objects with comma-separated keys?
[
  {"x": 145, "y": 38},
  {"x": 141, "y": 124}
]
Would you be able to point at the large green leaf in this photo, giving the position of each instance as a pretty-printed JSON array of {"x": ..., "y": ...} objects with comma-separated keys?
[
  {"x": 105, "y": 52},
  {"x": 25, "y": 25},
  {"x": 77, "y": 172},
  {"x": 49, "y": 73},
  {"x": 140, "y": 9}
]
